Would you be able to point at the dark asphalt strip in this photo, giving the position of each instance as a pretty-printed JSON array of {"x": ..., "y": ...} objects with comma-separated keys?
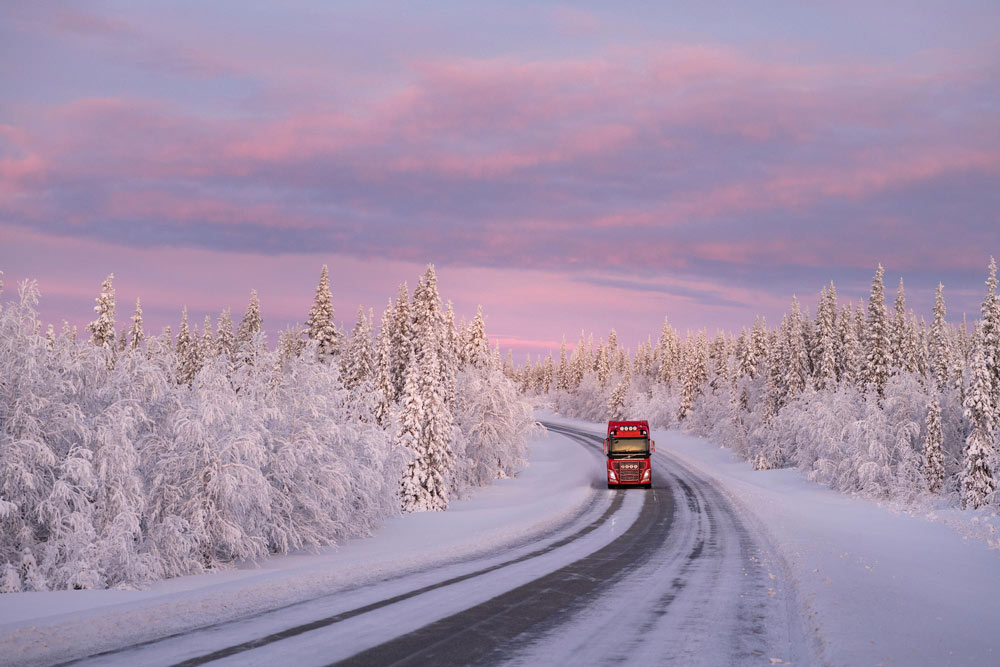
[
  {"x": 616, "y": 504},
  {"x": 488, "y": 632}
]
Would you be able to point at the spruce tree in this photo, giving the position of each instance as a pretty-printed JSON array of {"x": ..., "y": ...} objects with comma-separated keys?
[
  {"x": 759, "y": 341},
  {"x": 933, "y": 467},
  {"x": 878, "y": 338},
  {"x": 320, "y": 320},
  {"x": 413, "y": 485},
  {"x": 358, "y": 363},
  {"x": 135, "y": 334},
  {"x": 795, "y": 356},
  {"x": 207, "y": 349},
  {"x": 103, "y": 328},
  {"x": 548, "y": 377},
  {"x": 978, "y": 481},
  {"x": 562, "y": 374},
  {"x": 225, "y": 339},
  {"x": 477, "y": 345},
  {"x": 383, "y": 368},
  {"x": 401, "y": 339},
  {"x": 668, "y": 348},
  {"x": 434, "y": 451},
  {"x": 187, "y": 360},
  {"x": 899, "y": 330},
  {"x": 990, "y": 337},
  {"x": 616, "y": 404},
  {"x": 695, "y": 374},
  {"x": 251, "y": 323},
  {"x": 827, "y": 346}
]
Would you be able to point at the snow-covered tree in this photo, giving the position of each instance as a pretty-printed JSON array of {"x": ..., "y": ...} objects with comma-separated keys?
[
  {"x": 425, "y": 485},
  {"x": 695, "y": 374},
  {"x": 102, "y": 329},
  {"x": 251, "y": 323},
  {"x": 878, "y": 340},
  {"x": 978, "y": 480},
  {"x": 187, "y": 353},
  {"x": 401, "y": 339},
  {"x": 616, "y": 404},
  {"x": 477, "y": 346},
  {"x": 358, "y": 363},
  {"x": 826, "y": 339},
  {"x": 320, "y": 320},
  {"x": 225, "y": 339},
  {"x": 563, "y": 372},
  {"x": 933, "y": 467},
  {"x": 135, "y": 334},
  {"x": 383, "y": 367}
]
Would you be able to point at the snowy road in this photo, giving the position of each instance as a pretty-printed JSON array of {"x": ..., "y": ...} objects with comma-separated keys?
[{"x": 666, "y": 576}]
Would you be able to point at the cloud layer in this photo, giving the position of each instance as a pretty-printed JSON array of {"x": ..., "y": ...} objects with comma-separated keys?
[{"x": 705, "y": 166}]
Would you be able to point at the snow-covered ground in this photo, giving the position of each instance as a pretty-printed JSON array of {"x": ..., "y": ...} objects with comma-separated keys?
[
  {"x": 878, "y": 586},
  {"x": 874, "y": 586},
  {"x": 559, "y": 491}
]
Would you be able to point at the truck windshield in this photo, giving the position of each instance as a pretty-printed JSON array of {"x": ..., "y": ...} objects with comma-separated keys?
[{"x": 622, "y": 446}]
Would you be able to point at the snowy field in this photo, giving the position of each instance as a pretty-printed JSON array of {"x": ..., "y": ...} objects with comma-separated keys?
[
  {"x": 558, "y": 490},
  {"x": 879, "y": 587}
]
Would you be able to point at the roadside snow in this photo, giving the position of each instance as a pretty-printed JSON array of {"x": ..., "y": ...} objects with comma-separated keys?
[
  {"x": 559, "y": 484},
  {"x": 878, "y": 586}
]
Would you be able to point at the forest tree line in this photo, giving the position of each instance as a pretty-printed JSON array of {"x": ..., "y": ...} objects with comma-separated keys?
[
  {"x": 127, "y": 457},
  {"x": 859, "y": 397}
]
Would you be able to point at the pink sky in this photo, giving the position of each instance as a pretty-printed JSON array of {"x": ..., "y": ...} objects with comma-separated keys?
[{"x": 566, "y": 166}]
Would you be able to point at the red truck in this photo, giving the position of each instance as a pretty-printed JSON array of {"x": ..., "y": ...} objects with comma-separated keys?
[{"x": 628, "y": 448}]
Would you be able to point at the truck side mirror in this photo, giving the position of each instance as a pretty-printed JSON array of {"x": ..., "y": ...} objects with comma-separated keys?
[{"x": 652, "y": 446}]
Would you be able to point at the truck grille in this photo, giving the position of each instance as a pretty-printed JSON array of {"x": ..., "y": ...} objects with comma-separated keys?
[{"x": 630, "y": 471}]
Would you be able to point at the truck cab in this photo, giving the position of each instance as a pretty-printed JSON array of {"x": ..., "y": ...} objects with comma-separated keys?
[{"x": 628, "y": 448}]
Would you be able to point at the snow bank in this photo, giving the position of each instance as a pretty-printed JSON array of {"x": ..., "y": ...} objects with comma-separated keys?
[
  {"x": 878, "y": 586},
  {"x": 559, "y": 484}
]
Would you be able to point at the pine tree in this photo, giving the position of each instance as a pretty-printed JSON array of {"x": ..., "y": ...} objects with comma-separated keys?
[
  {"x": 990, "y": 337},
  {"x": 383, "y": 367},
  {"x": 603, "y": 364},
  {"x": 207, "y": 349},
  {"x": 695, "y": 374},
  {"x": 320, "y": 320},
  {"x": 616, "y": 404},
  {"x": 477, "y": 345},
  {"x": 899, "y": 330},
  {"x": 225, "y": 340},
  {"x": 251, "y": 322},
  {"x": 435, "y": 457},
  {"x": 933, "y": 467},
  {"x": 878, "y": 338},
  {"x": 796, "y": 357},
  {"x": 401, "y": 340},
  {"x": 668, "y": 347},
  {"x": 759, "y": 342},
  {"x": 562, "y": 374},
  {"x": 187, "y": 359},
  {"x": 827, "y": 346},
  {"x": 978, "y": 482},
  {"x": 103, "y": 328},
  {"x": 359, "y": 360},
  {"x": 548, "y": 377},
  {"x": 135, "y": 334}
]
